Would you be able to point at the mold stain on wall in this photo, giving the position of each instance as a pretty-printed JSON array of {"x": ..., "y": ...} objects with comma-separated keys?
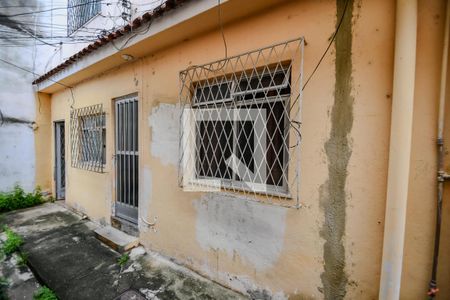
[{"x": 338, "y": 151}]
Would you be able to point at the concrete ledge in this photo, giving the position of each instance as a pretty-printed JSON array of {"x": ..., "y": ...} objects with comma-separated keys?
[{"x": 116, "y": 239}]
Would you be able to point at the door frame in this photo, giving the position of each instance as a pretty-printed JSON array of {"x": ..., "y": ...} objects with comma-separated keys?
[
  {"x": 60, "y": 190},
  {"x": 123, "y": 211}
]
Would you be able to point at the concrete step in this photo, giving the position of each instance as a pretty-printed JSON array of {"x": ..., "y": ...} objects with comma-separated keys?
[{"x": 116, "y": 239}]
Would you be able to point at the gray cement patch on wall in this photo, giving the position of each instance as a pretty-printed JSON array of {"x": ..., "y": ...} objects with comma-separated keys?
[
  {"x": 165, "y": 123},
  {"x": 253, "y": 231},
  {"x": 333, "y": 194}
]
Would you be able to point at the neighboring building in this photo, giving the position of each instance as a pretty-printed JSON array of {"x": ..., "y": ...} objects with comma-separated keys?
[
  {"x": 22, "y": 45},
  {"x": 205, "y": 128},
  {"x": 37, "y": 37}
]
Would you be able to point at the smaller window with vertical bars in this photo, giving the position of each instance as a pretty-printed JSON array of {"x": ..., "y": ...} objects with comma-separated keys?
[{"x": 88, "y": 138}]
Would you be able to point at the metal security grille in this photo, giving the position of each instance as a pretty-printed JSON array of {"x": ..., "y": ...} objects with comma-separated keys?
[
  {"x": 127, "y": 158},
  {"x": 88, "y": 138},
  {"x": 79, "y": 12},
  {"x": 63, "y": 156},
  {"x": 60, "y": 160},
  {"x": 240, "y": 123}
]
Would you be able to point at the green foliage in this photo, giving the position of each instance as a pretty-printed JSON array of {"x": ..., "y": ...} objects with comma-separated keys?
[
  {"x": 123, "y": 259},
  {"x": 3, "y": 285},
  {"x": 44, "y": 293},
  {"x": 22, "y": 259},
  {"x": 12, "y": 243},
  {"x": 17, "y": 199}
]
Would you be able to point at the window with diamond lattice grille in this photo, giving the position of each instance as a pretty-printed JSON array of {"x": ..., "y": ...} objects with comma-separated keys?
[
  {"x": 217, "y": 140},
  {"x": 240, "y": 122}
]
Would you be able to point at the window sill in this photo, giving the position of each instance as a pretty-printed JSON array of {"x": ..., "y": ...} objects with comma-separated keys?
[{"x": 210, "y": 184}]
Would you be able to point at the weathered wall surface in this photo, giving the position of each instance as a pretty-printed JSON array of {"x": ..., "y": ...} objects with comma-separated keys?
[
  {"x": 19, "y": 106},
  {"x": 365, "y": 188},
  {"x": 42, "y": 144},
  {"x": 331, "y": 247},
  {"x": 421, "y": 214}
]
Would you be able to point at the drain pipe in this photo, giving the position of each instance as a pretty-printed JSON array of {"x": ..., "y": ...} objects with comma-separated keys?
[
  {"x": 399, "y": 149},
  {"x": 441, "y": 175}
]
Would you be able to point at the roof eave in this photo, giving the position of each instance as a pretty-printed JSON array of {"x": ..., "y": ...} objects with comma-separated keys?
[{"x": 193, "y": 18}]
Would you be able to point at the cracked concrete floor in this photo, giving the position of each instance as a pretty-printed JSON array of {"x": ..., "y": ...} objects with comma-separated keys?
[{"x": 65, "y": 255}]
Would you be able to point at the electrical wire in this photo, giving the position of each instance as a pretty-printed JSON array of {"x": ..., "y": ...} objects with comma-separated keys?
[
  {"x": 31, "y": 72},
  {"x": 35, "y": 74},
  {"x": 219, "y": 8},
  {"x": 333, "y": 38},
  {"x": 133, "y": 36},
  {"x": 51, "y": 9},
  {"x": 328, "y": 47},
  {"x": 91, "y": 34},
  {"x": 223, "y": 62}
]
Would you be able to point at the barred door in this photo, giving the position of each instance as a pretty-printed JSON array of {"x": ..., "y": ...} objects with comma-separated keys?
[
  {"x": 127, "y": 159},
  {"x": 60, "y": 160}
]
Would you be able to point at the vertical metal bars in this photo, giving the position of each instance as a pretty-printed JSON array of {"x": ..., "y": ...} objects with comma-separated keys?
[
  {"x": 87, "y": 138},
  {"x": 60, "y": 160},
  {"x": 240, "y": 123},
  {"x": 127, "y": 158},
  {"x": 79, "y": 12}
]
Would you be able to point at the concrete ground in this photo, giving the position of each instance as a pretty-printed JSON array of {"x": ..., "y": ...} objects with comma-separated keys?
[{"x": 64, "y": 254}]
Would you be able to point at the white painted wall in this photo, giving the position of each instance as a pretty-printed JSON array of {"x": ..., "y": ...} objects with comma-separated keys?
[{"x": 17, "y": 95}]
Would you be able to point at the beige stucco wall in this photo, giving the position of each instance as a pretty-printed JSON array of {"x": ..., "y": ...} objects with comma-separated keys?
[
  {"x": 291, "y": 260},
  {"x": 419, "y": 239},
  {"x": 42, "y": 134}
]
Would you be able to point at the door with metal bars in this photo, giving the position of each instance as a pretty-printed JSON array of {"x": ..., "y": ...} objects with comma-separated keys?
[
  {"x": 127, "y": 158},
  {"x": 60, "y": 160}
]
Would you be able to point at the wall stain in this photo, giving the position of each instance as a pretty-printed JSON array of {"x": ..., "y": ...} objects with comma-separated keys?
[
  {"x": 338, "y": 152},
  {"x": 12, "y": 120},
  {"x": 9, "y": 22}
]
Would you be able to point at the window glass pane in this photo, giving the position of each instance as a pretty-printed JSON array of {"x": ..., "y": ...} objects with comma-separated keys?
[
  {"x": 136, "y": 127},
  {"x": 216, "y": 140},
  {"x": 210, "y": 92},
  {"x": 276, "y": 144},
  {"x": 245, "y": 145},
  {"x": 104, "y": 145},
  {"x": 267, "y": 81}
]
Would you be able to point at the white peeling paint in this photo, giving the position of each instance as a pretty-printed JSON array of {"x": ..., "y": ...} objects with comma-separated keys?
[
  {"x": 137, "y": 252},
  {"x": 145, "y": 198},
  {"x": 164, "y": 121},
  {"x": 110, "y": 187},
  {"x": 253, "y": 231},
  {"x": 150, "y": 294},
  {"x": 243, "y": 284},
  {"x": 25, "y": 276}
]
